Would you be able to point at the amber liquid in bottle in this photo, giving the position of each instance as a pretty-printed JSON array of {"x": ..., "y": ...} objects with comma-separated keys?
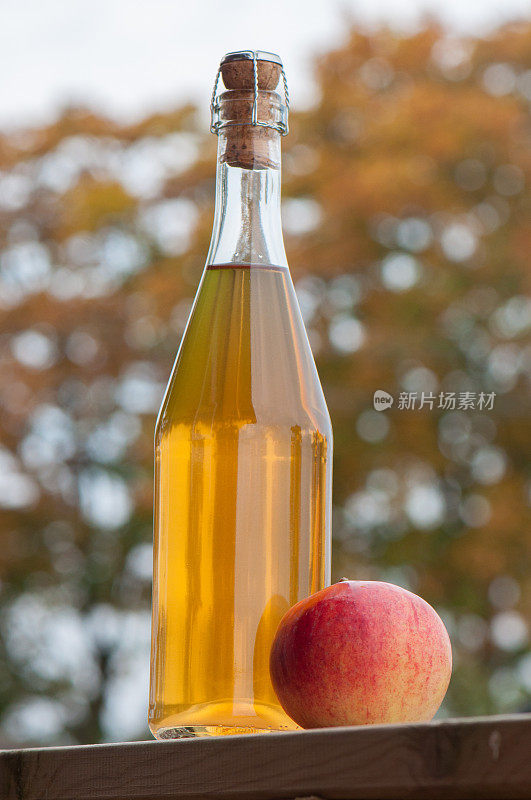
[{"x": 242, "y": 478}]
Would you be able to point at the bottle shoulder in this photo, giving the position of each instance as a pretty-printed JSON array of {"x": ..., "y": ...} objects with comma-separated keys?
[
  {"x": 245, "y": 357},
  {"x": 263, "y": 422}
]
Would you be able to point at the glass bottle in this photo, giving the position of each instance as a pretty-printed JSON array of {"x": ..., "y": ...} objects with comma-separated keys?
[{"x": 243, "y": 446}]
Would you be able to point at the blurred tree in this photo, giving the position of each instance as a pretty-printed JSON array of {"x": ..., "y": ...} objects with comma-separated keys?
[{"x": 408, "y": 231}]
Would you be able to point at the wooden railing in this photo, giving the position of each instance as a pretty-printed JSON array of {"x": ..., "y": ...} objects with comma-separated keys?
[{"x": 485, "y": 759}]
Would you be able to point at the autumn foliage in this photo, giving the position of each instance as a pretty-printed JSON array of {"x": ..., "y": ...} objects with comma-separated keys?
[{"x": 408, "y": 231}]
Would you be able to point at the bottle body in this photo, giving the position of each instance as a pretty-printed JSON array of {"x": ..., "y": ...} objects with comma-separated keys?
[{"x": 242, "y": 509}]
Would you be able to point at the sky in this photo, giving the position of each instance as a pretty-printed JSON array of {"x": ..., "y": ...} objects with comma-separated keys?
[{"x": 129, "y": 57}]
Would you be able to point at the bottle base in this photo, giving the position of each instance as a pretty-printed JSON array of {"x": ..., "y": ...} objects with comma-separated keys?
[
  {"x": 195, "y": 731},
  {"x": 222, "y": 718}
]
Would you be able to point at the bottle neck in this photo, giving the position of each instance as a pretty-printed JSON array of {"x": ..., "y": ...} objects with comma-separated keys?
[{"x": 247, "y": 224}]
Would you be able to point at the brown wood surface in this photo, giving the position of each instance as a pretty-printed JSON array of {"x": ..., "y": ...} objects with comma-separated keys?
[{"x": 485, "y": 759}]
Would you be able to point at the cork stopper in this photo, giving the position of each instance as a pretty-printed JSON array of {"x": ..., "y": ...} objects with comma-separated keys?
[
  {"x": 244, "y": 144},
  {"x": 240, "y": 74}
]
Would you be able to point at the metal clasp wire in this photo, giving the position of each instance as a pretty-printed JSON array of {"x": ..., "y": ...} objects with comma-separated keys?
[{"x": 282, "y": 126}]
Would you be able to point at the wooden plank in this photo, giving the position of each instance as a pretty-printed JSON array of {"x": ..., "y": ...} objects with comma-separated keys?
[{"x": 485, "y": 759}]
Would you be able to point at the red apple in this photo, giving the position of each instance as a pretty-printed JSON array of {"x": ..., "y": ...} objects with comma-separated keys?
[{"x": 360, "y": 652}]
